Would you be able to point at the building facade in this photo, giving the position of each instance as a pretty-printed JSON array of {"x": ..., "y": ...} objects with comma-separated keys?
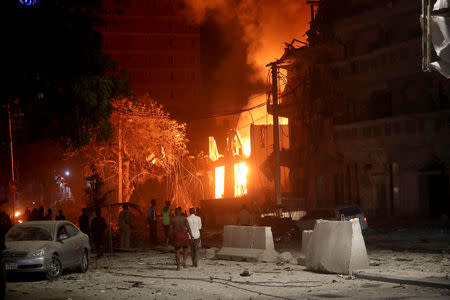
[
  {"x": 157, "y": 44},
  {"x": 367, "y": 126}
]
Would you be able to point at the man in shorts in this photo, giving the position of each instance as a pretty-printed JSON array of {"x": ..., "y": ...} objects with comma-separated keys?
[{"x": 180, "y": 232}]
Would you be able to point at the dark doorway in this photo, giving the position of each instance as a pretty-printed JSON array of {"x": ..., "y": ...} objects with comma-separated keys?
[
  {"x": 434, "y": 193},
  {"x": 439, "y": 194}
]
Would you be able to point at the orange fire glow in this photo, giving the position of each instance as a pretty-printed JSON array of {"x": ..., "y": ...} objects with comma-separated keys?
[
  {"x": 213, "y": 152},
  {"x": 17, "y": 213},
  {"x": 240, "y": 179},
  {"x": 256, "y": 116},
  {"x": 219, "y": 181}
]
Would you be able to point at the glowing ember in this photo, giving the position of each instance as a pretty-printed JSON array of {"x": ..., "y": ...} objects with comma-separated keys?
[
  {"x": 20, "y": 221},
  {"x": 240, "y": 179},
  {"x": 219, "y": 180},
  {"x": 17, "y": 213}
]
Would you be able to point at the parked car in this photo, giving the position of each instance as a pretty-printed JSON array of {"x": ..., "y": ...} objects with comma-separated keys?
[
  {"x": 47, "y": 247},
  {"x": 349, "y": 212},
  {"x": 309, "y": 220},
  {"x": 334, "y": 214}
]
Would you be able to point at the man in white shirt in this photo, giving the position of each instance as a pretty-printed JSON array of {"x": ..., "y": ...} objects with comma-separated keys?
[{"x": 195, "y": 223}]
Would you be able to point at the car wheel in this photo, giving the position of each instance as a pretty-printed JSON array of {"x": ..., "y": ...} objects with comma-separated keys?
[
  {"x": 55, "y": 269},
  {"x": 84, "y": 262}
]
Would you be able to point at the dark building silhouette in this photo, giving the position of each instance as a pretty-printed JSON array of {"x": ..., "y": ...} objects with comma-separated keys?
[{"x": 367, "y": 126}]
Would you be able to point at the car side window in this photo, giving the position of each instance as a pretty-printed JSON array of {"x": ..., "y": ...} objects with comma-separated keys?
[
  {"x": 61, "y": 230},
  {"x": 71, "y": 230}
]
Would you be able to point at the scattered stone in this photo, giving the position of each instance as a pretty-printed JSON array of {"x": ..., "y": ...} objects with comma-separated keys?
[
  {"x": 137, "y": 285},
  {"x": 287, "y": 257},
  {"x": 403, "y": 259},
  {"x": 211, "y": 252},
  {"x": 245, "y": 273}
]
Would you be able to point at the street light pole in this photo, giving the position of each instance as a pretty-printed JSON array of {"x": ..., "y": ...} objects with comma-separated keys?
[{"x": 13, "y": 183}]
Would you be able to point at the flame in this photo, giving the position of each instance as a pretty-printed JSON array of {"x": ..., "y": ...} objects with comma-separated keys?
[
  {"x": 219, "y": 181},
  {"x": 20, "y": 221},
  {"x": 17, "y": 213},
  {"x": 240, "y": 179},
  {"x": 213, "y": 152},
  {"x": 256, "y": 116}
]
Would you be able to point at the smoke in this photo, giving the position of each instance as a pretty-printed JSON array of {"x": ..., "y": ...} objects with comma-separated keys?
[
  {"x": 238, "y": 38},
  {"x": 265, "y": 25}
]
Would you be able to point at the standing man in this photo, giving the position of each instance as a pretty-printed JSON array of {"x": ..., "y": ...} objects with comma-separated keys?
[
  {"x": 83, "y": 221},
  {"x": 40, "y": 215},
  {"x": 195, "y": 223},
  {"x": 180, "y": 230},
  {"x": 49, "y": 215},
  {"x": 166, "y": 212},
  {"x": 98, "y": 227},
  {"x": 124, "y": 225},
  {"x": 244, "y": 216},
  {"x": 60, "y": 215},
  {"x": 152, "y": 217}
]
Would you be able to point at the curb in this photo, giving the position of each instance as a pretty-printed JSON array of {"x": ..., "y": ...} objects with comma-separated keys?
[{"x": 428, "y": 282}]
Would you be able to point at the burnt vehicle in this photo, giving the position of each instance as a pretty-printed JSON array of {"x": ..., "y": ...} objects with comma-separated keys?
[
  {"x": 338, "y": 213},
  {"x": 46, "y": 247}
]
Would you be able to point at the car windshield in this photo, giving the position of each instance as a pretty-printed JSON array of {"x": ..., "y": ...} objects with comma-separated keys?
[{"x": 23, "y": 233}]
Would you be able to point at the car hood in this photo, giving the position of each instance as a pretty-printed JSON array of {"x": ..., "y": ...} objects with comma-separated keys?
[{"x": 26, "y": 245}]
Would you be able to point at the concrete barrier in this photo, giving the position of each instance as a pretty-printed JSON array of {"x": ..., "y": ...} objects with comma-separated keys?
[
  {"x": 337, "y": 247},
  {"x": 306, "y": 239},
  {"x": 247, "y": 243}
]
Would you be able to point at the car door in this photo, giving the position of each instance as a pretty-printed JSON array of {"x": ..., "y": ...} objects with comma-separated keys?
[
  {"x": 65, "y": 246},
  {"x": 76, "y": 239}
]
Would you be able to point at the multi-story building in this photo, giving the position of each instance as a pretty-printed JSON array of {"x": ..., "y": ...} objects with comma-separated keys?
[
  {"x": 367, "y": 126},
  {"x": 157, "y": 44}
]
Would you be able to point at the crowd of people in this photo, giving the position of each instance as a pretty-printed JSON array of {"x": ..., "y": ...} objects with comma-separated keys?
[
  {"x": 180, "y": 229},
  {"x": 38, "y": 214}
]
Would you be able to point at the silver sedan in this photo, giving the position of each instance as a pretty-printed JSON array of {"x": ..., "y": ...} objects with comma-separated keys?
[{"x": 46, "y": 246}]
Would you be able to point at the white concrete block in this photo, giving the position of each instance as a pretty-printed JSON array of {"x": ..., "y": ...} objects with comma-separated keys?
[
  {"x": 250, "y": 243},
  {"x": 306, "y": 239},
  {"x": 337, "y": 247}
]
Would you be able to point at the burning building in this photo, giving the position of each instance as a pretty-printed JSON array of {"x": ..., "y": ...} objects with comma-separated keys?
[{"x": 241, "y": 165}]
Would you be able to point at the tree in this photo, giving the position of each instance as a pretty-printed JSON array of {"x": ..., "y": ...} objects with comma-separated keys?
[
  {"x": 148, "y": 144},
  {"x": 55, "y": 68}
]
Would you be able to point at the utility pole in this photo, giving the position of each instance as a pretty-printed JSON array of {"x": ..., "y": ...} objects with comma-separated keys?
[
  {"x": 120, "y": 161},
  {"x": 276, "y": 133},
  {"x": 13, "y": 181},
  {"x": 313, "y": 3}
]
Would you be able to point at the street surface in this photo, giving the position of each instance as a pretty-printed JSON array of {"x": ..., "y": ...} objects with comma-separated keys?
[{"x": 151, "y": 274}]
